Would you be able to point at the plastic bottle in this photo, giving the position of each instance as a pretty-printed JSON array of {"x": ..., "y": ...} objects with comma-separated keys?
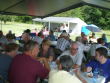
[
  {"x": 95, "y": 73},
  {"x": 53, "y": 65}
]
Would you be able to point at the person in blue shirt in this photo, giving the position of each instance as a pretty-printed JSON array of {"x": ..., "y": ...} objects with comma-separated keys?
[
  {"x": 104, "y": 38},
  {"x": 51, "y": 36},
  {"x": 6, "y": 59},
  {"x": 101, "y": 62}
]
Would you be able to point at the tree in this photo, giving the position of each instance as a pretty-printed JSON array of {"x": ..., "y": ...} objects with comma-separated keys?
[
  {"x": 91, "y": 15},
  {"x": 5, "y": 18}
]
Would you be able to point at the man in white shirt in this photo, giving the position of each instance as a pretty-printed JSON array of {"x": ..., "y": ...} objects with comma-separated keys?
[{"x": 74, "y": 54}]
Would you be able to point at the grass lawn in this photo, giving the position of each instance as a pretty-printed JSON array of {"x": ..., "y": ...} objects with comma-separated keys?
[{"x": 18, "y": 28}]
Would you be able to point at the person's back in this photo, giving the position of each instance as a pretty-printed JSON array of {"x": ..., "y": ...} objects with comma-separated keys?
[
  {"x": 51, "y": 36},
  {"x": 62, "y": 77},
  {"x": 62, "y": 44},
  {"x": 5, "y": 61},
  {"x": 24, "y": 69},
  {"x": 38, "y": 39}
]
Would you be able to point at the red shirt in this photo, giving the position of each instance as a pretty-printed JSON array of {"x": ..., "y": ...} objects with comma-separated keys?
[{"x": 25, "y": 69}]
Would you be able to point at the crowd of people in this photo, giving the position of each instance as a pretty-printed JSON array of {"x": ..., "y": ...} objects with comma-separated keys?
[{"x": 28, "y": 60}]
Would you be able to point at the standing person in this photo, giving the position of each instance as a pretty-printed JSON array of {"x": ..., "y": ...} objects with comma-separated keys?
[
  {"x": 25, "y": 68},
  {"x": 3, "y": 40},
  {"x": 84, "y": 38},
  {"x": 63, "y": 75},
  {"x": 6, "y": 59},
  {"x": 92, "y": 38},
  {"x": 101, "y": 62},
  {"x": 104, "y": 38}
]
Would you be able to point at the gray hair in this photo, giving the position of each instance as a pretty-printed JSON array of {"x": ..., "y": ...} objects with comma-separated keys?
[
  {"x": 73, "y": 42},
  {"x": 66, "y": 62},
  {"x": 30, "y": 45}
]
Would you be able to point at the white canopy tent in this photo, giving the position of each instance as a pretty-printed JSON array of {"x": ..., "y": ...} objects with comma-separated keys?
[{"x": 74, "y": 24}]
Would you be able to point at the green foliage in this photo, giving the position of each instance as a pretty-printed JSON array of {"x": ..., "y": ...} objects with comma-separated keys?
[
  {"x": 5, "y": 18},
  {"x": 91, "y": 15},
  {"x": 72, "y": 13},
  {"x": 23, "y": 19}
]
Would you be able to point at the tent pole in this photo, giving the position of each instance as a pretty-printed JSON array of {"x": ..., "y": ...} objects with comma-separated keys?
[
  {"x": 1, "y": 25},
  {"x": 49, "y": 26},
  {"x": 68, "y": 27}
]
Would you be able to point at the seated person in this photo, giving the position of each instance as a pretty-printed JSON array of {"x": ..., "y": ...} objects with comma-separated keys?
[
  {"x": 101, "y": 62},
  {"x": 10, "y": 38},
  {"x": 6, "y": 59},
  {"x": 25, "y": 38},
  {"x": 45, "y": 50},
  {"x": 63, "y": 42},
  {"x": 38, "y": 38},
  {"x": 74, "y": 54},
  {"x": 100, "y": 43},
  {"x": 51, "y": 36},
  {"x": 63, "y": 75},
  {"x": 25, "y": 68},
  {"x": 76, "y": 57}
]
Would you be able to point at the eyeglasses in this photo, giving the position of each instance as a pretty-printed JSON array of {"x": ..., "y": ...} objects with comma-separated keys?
[{"x": 74, "y": 49}]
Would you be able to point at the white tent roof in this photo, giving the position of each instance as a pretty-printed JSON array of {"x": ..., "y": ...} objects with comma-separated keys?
[
  {"x": 75, "y": 24},
  {"x": 59, "y": 20}
]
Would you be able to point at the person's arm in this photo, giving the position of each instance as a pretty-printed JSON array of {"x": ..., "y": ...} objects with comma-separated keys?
[
  {"x": 51, "y": 54},
  {"x": 79, "y": 77},
  {"x": 77, "y": 73},
  {"x": 75, "y": 66},
  {"x": 88, "y": 69},
  {"x": 45, "y": 62},
  {"x": 57, "y": 62},
  {"x": 50, "y": 59}
]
